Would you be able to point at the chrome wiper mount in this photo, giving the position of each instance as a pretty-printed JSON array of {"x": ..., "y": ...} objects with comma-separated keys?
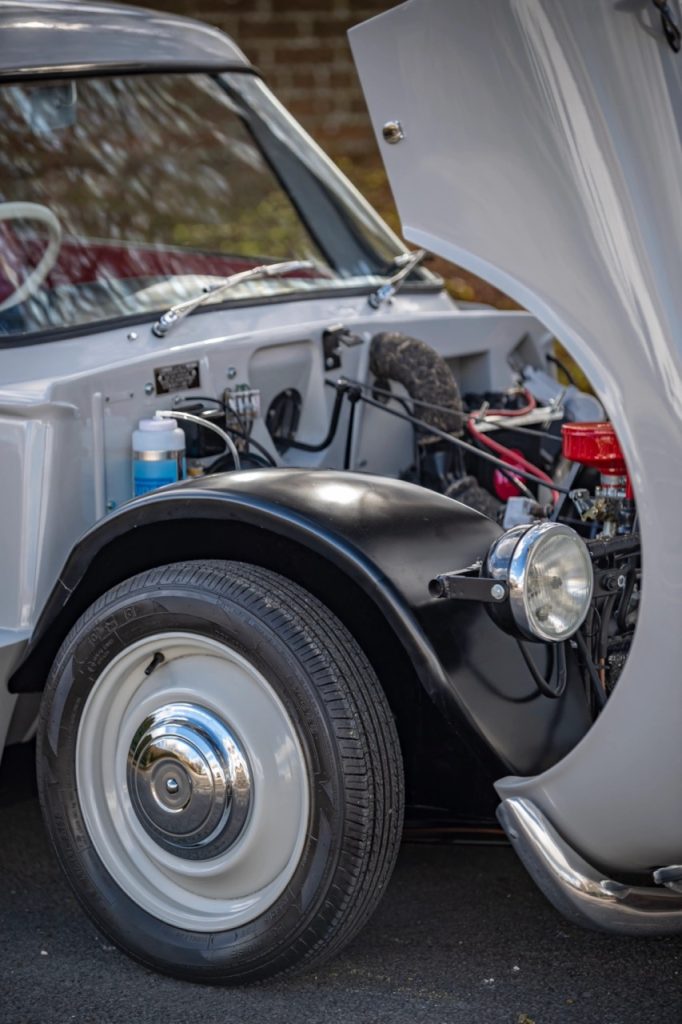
[{"x": 178, "y": 312}]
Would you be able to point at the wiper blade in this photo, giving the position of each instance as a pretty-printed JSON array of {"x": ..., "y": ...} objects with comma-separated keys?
[
  {"x": 407, "y": 261},
  {"x": 180, "y": 310}
]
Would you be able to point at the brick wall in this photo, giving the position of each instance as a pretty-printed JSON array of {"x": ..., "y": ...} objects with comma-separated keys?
[{"x": 302, "y": 49}]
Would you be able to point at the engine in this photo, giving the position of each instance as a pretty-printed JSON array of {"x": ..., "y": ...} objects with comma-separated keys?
[{"x": 538, "y": 451}]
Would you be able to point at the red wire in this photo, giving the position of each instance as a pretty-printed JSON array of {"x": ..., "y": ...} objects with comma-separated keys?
[
  {"x": 528, "y": 407},
  {"x": 512, "y": 458}
]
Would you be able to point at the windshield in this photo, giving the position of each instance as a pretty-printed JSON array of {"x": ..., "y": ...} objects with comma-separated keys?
[{"x": 122, "y": 196}]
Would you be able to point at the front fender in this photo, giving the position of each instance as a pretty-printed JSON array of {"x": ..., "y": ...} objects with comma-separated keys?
[{"x": 388, "y": 537}]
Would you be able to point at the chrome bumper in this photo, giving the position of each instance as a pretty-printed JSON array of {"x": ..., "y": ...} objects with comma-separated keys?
[{"x": 576, "y": 888}]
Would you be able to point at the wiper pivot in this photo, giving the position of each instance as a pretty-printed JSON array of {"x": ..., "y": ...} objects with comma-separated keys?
[{"x": 407, "y": 262}]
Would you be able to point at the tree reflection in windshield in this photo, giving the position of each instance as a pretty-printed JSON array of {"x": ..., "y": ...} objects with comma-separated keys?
[{"x": 159, "y": 188}]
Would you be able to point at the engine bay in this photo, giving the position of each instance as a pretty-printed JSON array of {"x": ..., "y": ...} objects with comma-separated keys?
[{"x": 538, "y": 451}]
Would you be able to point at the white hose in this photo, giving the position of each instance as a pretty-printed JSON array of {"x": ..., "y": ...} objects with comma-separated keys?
[{"x": 176, "y": 415}]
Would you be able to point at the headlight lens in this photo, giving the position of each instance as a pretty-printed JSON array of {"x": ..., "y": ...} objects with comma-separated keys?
[{"x": 549, "y": 575}]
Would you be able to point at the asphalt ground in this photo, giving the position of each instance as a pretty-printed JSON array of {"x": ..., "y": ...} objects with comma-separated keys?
[{"x": 462, "y": 936}]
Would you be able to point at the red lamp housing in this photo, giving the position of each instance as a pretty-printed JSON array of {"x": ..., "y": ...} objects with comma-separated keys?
[{"x": 596, "y": 445}]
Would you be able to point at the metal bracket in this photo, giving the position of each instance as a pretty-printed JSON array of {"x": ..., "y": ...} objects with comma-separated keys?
[
  {"x": 467, "y": 585},
  {"x": 332, "y": 338},
  {"x": 608, "y": 581}
]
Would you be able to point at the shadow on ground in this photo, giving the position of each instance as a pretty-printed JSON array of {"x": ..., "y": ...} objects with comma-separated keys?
[{"x": 462, "y": 936}]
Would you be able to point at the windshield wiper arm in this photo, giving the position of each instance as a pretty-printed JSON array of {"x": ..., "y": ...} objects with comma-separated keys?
[
  {"x": 178, "y": 312},
  {"x": 408, "y": 261}
]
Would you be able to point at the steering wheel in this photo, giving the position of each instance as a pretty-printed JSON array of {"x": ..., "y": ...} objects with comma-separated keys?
[{"x": 42, "y": 214}]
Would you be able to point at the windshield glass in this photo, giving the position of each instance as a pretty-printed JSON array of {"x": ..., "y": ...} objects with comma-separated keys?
[{"x": 122, "y": 196}]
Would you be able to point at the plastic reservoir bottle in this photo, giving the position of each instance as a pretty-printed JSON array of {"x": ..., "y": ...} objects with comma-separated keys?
[{"x": 158, "y": 454}]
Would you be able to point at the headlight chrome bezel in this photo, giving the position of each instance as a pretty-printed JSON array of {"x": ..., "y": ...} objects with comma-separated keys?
[{"x": 510, "y": 559}]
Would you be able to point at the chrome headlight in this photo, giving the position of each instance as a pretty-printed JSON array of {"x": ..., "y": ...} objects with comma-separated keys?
[{"x": 548, "y": 572}]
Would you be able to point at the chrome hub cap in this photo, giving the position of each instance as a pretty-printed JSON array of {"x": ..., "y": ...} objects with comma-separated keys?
[
  {"x": 192, "y": 782},
  {"x": 189, "y": 781}
]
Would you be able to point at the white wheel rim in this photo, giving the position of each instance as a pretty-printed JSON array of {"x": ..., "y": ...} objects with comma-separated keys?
[{"x": 218, "y": 689}]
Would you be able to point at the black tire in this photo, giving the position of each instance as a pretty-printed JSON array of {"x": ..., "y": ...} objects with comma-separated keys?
[{"x": 345, "y": 730}]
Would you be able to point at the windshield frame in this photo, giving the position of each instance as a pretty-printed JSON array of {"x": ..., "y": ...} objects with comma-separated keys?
[{"x": 420, "y": 281}]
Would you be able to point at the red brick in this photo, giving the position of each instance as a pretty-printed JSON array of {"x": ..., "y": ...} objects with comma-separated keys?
[
  {"x": 303, "y": 54},
  {"x": 272, "y": 28}
]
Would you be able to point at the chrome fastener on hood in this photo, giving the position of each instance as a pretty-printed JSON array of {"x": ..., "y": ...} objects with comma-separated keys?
[{"x": 393, "y": 132}]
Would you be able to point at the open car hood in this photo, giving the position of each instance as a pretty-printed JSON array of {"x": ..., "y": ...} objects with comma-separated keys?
[{"x": 542, "y": 151}]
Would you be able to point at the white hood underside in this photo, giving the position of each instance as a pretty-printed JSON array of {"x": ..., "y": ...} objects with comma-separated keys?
[{"x": 542, "y": 152}]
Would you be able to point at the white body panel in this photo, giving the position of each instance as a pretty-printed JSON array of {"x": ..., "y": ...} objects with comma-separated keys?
[{"x": 542, "y": 151}]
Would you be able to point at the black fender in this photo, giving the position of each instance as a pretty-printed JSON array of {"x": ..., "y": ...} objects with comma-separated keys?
[{"x": 368, "y": 547}]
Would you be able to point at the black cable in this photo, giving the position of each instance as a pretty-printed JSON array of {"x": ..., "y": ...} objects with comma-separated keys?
[
  {"x": 503, "y": 425},
  {"x": 564, "y": 369},
  {"x": 427, "y": 428},
  {"x": 442, "y": 408},
  {"x": 225, "y": 463},
  {"x": 406, "y": 407},
  {"x": 558, "y": 662},
  {"x": 589, "y": 665},
  {"x": 603, "y": 640},
  {"x": 202, "y": 398},
  {"x": 630, "y": 580},
  {"x": 349, "y": 432},
  {"x": 299, "y": 445},
  {"x": 207, "y": 398},
  {"x": 670, "y": 28},
  {"x": 376, "y": 390},
  {"x": 259, "y": 447},
  {"x": 333, "y": 424},
  {"x": 243, "y": 433},
  {"x": 415, "y": 436},
  {"x": 528, "y": 430},
  {"x": 401, "y": 401}
]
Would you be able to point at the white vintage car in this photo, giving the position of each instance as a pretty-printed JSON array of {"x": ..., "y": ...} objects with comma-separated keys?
[{"x": 292, "y": 544}]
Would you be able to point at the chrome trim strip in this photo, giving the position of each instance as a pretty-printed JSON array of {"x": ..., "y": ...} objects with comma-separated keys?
[
  {"x": 158, "y": 456},
  {"x": 578, "y": 889}
]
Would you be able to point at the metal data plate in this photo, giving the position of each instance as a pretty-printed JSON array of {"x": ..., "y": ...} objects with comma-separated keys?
[{"x": 177, "y": 377}]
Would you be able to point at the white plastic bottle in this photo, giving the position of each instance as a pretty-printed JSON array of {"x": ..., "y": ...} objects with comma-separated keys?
[{"x": 158, "y": 454}]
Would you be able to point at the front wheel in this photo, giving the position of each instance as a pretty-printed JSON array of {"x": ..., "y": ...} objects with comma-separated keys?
[{"x": 219, "y": 772}]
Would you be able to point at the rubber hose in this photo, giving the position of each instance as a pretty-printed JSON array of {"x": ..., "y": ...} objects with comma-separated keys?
[{"x": 423, "y": 373}]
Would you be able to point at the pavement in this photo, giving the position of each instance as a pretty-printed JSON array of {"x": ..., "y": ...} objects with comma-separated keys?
[{"x": 462, "y": 936}]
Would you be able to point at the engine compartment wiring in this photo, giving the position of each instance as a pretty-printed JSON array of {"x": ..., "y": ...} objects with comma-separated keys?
[{"x": 536, "y": 477}]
